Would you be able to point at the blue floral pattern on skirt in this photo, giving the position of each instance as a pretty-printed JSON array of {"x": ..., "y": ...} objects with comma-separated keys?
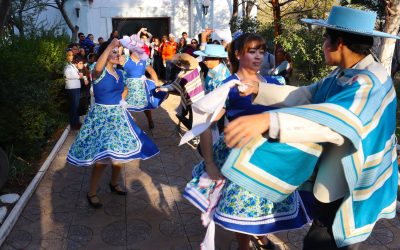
[
  {"x": 235, "y": 200},
  {"x": 241, "y": 210},
  {"x": 109, "y": 132},
  {"x": 137, "y": 94}
]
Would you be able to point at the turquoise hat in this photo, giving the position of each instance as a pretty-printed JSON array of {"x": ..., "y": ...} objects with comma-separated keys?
[
  {"x": 351, "y": 20},
  {"x": 212, "y": 50}
]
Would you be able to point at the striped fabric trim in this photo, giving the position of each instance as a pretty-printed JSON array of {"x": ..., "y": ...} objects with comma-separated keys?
[
  {"x": 332, "y": 116},
  {"x": 376, "y": 159},
  {"x": 189, "y": 87},
  {"x": 239, "y": 169},
  {"x": 389, "y": 98},
  {"x": 344, "y": 229},
  {"x": 309, "y": 148},
  {"x": 338, "y": 112},
  {"x": 363, "y": 193},
  {"x": 361, "y": 96},
  {"x": 196, "y": 198},
  {"x": 379, "y": 92},
  {"x": 332, "y": 111}
]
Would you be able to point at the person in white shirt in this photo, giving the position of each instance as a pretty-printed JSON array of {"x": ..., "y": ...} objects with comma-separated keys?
[{"x": 73, "y": 87}]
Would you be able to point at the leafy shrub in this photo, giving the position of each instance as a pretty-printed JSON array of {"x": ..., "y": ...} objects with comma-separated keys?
[{"x": 32, "y": 93}]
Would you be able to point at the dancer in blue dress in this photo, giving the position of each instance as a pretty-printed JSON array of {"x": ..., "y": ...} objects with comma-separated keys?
[
  {"x": 238, "y": 209},
  {"x": 109, "y": 135},
  {"x": 141, "y": 94}
]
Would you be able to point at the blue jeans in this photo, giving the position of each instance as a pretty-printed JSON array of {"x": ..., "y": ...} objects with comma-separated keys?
[{"x": 74, "y": 95}]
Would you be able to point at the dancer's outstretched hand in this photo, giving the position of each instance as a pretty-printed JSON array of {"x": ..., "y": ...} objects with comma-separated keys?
[
  {"x": 213, "y": 172},
  {"x": 241, "y": 130},
  {"x": 248, "y": 88}
]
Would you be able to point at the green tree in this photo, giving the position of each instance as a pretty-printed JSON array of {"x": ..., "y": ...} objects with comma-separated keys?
[
  {"x": 23, "y": 15},
  {"x": 305, "y": 47},
  {"x": 281, "y": 10}
]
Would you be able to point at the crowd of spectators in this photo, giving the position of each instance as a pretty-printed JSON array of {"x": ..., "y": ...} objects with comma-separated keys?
[{"x": 160, "y": 52}]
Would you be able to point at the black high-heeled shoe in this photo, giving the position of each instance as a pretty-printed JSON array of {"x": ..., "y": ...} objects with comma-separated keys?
[
  {"x": 260, "y": 245},
  {"x": 117, "y": 190},
  {"x": 94, "y": 204}
]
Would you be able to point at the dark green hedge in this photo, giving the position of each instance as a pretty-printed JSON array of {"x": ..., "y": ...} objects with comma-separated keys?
[{"x": 32, "y": 96}]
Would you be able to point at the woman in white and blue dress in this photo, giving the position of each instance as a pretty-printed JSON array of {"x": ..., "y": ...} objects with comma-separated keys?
[
  {"x": 141, "y": 94},
  {"x": 238, "y": 209},
  {"x": 109, "y": 136}
]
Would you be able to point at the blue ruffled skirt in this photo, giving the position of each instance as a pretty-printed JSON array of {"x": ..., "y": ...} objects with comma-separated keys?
[
  {"x": 109, "y": 135},
  {"x": 142, "y": 95},
  {"x": 242, "y": 211}
]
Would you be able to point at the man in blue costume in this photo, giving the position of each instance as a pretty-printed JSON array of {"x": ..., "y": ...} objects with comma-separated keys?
[{"x": 352, "y": 113}]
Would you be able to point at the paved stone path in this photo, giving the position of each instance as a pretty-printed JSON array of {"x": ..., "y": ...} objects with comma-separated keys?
[{"x": 152, "y": 216}]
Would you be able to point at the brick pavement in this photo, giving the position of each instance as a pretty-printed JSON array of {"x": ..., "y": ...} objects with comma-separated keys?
[{"x": 152, "y": 216}]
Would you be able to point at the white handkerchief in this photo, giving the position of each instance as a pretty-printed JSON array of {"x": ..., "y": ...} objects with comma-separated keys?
[{"x": 206, "y": 109}]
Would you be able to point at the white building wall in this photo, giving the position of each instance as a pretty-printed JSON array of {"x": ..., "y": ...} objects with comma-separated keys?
[{"x": 186, "y": 15}]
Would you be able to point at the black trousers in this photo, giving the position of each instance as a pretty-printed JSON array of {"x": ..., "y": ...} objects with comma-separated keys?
[{"x": 320, "y": 236}]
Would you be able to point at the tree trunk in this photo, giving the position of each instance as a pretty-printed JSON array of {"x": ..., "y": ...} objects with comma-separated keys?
[
  {"x": 4, "y": 11},
  {"x": 249, "y": 7},
  {"x": 235, "y": 8},
  {"x": 243, "y": 8},
  {"x": 276, "y": 12},
  {"x": 392, "y": 24},
  {"x": 74, "y": 29},
  {"x": 235, "y": 13}
]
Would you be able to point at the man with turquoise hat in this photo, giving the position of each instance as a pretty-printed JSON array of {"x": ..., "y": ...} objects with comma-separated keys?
[
  {"x": 213, "y": 57},
  {"x": 352, "y": 114}
]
